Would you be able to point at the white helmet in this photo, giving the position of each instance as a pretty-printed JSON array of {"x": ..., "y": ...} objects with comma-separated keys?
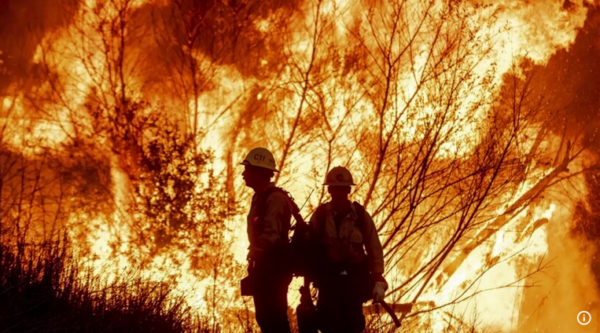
[
  {"x": 260, "y": 157},
  {"x": 339, "y": 176}
]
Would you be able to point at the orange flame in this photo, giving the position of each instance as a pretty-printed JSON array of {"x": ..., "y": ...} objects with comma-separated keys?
[{"x": 273, "y": 103}]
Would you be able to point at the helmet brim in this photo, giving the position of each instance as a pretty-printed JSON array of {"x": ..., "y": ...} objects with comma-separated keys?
[{"x": 245, "y": 162}]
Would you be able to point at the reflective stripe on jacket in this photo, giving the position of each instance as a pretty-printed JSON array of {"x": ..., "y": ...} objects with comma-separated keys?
[
  {"x": 277, "y": 218},
  {"x": 350, "y": 232}
]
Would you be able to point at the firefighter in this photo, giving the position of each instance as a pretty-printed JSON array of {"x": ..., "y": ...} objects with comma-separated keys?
[
  {"x": 351, "y": 271},
  {"x": 268, "y": 223}
]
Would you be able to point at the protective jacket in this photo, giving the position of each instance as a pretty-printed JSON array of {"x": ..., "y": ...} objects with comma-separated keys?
[
  {"x": 345, "y": 244},
  {"x": 269, "y": 275},
  {"x": 275, "y": 221}
]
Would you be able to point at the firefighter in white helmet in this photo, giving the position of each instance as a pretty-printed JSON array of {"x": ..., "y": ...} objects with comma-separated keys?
[
  {"x": 351, "y": 272},
  {"x": 268, "y": 224}
]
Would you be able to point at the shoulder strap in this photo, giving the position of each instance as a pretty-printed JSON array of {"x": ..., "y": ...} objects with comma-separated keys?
[
  {"x": 262, "y": 209},
  {"x": 360, "y": 214}
]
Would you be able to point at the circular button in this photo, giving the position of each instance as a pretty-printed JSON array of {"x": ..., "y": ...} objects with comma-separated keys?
[{"x": 584, "y": 317}]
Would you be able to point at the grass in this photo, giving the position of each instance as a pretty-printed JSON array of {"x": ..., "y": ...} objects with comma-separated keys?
[{"x": 43, "y": 289}]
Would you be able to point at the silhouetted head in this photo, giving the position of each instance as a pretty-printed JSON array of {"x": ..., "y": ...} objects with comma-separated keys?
[
  {"x": 257, "y": 177},
  {"x": 338, "y": 181},
  {"x": 339, "y": 193},
  {"x": 259, "y": 167}
]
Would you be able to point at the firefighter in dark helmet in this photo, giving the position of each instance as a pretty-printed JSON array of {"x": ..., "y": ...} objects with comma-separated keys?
[
  {"x": 350, "y": 272},
  {"x": 268, "y": 224}
]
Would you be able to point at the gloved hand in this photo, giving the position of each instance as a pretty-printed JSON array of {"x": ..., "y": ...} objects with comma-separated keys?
[
  {"x": 379, "y": 291},
  {"x": 255, "y": 253}
]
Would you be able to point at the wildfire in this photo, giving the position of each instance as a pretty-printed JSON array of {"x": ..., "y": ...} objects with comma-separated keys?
[{"x": 411, "y": 95}]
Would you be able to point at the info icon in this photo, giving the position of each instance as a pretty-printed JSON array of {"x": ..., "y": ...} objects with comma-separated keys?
[{"x": 584, "y": 317}]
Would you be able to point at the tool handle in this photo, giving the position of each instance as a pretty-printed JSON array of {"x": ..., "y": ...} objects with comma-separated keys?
[{"x": 391, "y": 312}]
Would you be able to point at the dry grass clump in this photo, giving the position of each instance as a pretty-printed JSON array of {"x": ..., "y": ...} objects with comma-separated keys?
[{"x": 44, "y": 289}]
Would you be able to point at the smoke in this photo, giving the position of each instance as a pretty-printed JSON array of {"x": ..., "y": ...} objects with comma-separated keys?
[
  {"x": 216, "y": 33},
  {"x": 567, "y": 285},
  {"x": 570, "y": 87},
  {"x": 23, "y": 25},
  {"x": 569, "y": 90},
  {"x": 570, "y": 84}
]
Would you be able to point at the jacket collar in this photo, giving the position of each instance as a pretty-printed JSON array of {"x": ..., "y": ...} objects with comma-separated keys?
[
  {"x": 257, "y": 194},
  {"x": 271, "y": 185},
  {"x": 352, "y": 209}
]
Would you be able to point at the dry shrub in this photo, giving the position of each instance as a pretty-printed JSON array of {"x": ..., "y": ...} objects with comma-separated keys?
[{"x": 44, "y": 289}]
